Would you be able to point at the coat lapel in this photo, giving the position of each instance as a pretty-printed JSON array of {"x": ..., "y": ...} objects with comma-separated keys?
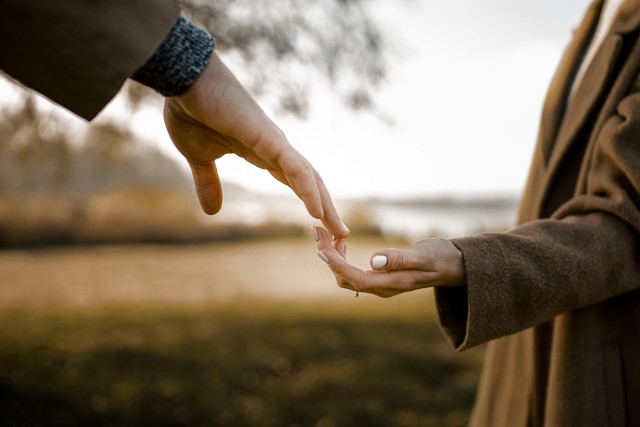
[
  {"x": 591, "y": 87},
  {"x": 566, "y": 121},
  {"x": 555, "y": 102}
]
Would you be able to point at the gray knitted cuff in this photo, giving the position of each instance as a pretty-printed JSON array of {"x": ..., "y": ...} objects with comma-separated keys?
[{"x": 179, "y": 61}]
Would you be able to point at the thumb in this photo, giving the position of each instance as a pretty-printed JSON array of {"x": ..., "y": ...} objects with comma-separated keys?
[
  {"x": 207, "y": 185},
  {"x": 392, "y": 259}
]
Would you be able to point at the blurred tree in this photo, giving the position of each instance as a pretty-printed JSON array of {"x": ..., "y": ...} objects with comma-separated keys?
[
  {"x": 110, "y": 155},
  {"x": 39, "y": 153},
  {"x": 284, "y": 46},
  {"x": 34, "y": 150}
]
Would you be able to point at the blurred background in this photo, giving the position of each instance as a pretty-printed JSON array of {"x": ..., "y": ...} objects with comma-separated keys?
[{"x": 121, "y": 304}]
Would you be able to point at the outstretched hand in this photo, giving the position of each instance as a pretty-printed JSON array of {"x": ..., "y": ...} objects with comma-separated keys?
[
  {"x": 429, "y": 263},
  {"x": 217, "y": 116}
]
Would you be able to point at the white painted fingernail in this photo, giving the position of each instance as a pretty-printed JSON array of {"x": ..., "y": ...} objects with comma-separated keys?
[
  {"x": 323, "y": 257},
  {"x": 378, "y": 261}
]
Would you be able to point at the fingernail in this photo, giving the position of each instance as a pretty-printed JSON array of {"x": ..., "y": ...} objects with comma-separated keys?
[
  {"x": 346, "y": 229},
  {"x": 314, "y": 233},
  {"x": 378, "y": 261},
  {"x": 323, "y": 257}
]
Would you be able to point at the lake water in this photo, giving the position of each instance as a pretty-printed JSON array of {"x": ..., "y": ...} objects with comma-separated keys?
[
  {"x": 414, "y": 219},
  {"x": 444, "y": 219}
]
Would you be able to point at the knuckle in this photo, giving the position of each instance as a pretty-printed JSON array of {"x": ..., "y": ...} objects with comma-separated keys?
[{"x": 402, "y": 261}]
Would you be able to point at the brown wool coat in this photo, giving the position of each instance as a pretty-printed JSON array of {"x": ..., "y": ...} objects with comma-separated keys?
[
  {"x": 78, "y": 53},
  {"x": 558, "y": 297}
]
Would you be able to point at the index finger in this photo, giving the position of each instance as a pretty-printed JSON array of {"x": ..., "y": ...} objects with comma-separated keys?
[
  {"x": 301, "y": 178},
  {"x": 331, "y": 218},
  {"x": 296, "y": 172}
]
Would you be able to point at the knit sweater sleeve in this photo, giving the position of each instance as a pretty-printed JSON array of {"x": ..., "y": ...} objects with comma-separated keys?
[{"x": 179, "y": 60}]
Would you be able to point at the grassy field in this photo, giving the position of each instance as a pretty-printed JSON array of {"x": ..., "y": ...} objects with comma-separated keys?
[{"x": 242, "y": 334}]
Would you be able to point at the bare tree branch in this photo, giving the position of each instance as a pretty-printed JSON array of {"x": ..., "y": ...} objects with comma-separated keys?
[{"x": 286, "y": 46}]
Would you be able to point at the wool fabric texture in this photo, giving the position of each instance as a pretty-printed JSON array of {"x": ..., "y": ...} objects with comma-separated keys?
[{"x": 179, "y": 60}]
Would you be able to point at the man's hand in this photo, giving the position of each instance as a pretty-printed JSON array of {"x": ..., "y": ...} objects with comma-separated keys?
[
  {"x": 431, "y": 262},
  {"x": 217, "y": 116}
]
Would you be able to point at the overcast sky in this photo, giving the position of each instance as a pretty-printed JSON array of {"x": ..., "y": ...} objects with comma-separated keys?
[{"x": 465, "y": 87}]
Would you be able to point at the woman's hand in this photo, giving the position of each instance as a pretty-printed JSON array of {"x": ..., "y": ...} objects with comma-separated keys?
[
  {"x": 431, "y": 262},
  {"x": 217, "y": 116}
]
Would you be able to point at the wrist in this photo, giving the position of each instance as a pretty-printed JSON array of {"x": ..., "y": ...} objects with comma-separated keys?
[{"x": 456, "y": 275}]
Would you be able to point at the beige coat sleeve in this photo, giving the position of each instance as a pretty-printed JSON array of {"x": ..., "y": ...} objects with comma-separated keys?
[
  {"x": 79, "y": 53},
  {"x": 588, "y": 252}
]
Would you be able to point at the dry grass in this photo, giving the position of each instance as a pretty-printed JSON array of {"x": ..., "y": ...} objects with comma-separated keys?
[
  {"x": 240, "y": 334},
  {"x": 173, "y": 275}
]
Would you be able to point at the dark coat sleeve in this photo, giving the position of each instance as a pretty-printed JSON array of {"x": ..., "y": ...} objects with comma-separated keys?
[
  {"x": 78, "y": 53},
  {"x": 587, "y": 252}
]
